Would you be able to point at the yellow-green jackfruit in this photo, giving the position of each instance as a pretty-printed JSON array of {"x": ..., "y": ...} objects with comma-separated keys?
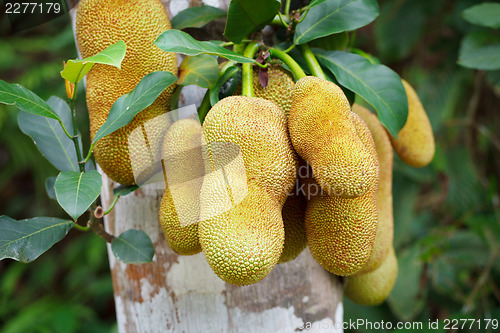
[
  {"x": 100, "y": 23},
  {"x": 323, "y": 134},
  {"x": 341, "y": 231},
  {"x": 385, "y": 229},
  {"x": 415, "y": 144},
  {"x": 374, "y": 287},
  {"x": 184, "y": 170},
  {"x": 279, "y": 90},
  {"x": 279, "y": 86},
  {"x": 244, "y": 243}
]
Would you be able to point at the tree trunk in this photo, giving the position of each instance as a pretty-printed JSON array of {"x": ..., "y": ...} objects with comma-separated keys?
[{"x": 181, "y": 293}]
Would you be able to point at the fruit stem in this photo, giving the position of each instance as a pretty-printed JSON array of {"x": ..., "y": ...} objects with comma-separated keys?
[
  {"x": 239, "y": 48},
  {"x": 280, "y": 21},
  {"x": 247, "y": 71},
  {"x": 204, "y": 107},
  {"x": 287, "y": 7},
  {"x": 312, "y": 62},
  {"x": 297, "y": 72}
]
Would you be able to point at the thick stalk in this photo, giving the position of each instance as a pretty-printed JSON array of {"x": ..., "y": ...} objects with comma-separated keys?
[
  {"x": 312, "y": 62},
  {"x": 296, "y": 70},
  {"x": 287, "y": 7},
  {"x": 247, "y": 71}
]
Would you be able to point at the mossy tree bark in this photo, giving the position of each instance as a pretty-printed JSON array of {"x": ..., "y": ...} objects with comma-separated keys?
[{"x": 181, "y": 293}]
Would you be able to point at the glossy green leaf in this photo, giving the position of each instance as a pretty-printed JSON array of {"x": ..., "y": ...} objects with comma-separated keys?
[
  {"x": 315, "y": 3},
  {"x": 49, "y": 187},
  {"x": 201, "y": 70},
  {"x": 123, "y": 190},
  {"x": 49, "y": 136},
  {"x": 247, "y": 16},
  {"x": 26, "y": 240},
  {"x": 129, "y": 105},
  {"x": 25, "y": 100},
  {"x": 75, "y": 70},
  {"x": 76, "y": 191},
  {"x": 334, "y": 16},
  {"x": 226, "y": 84},
  {"x": 332, "y": 42},
  {"x": 480, "y": 50},
  {"x": 377, "y": 84},
  {"x": 406, "y": 299},
  {"x": 178, "y": 41},
  {"x": 133, "y": 247},
  {"x": 485, "y": 14},
  {"x": 196, "y": 17}
]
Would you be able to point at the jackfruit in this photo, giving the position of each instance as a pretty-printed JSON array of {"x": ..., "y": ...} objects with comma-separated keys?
[
  {"x": 184, "y": 170},
  {"x": 385, "y": 228},
  {"x": 100, "y": 23},
  {"x": 279, "y": 89},
  {"x": 243, "y": 244},
  {"x": 293, "y": 214},
  {"x": 323, "y": 134},
  {"x": 279, "y": 86},
  {"x": 415, "y": 143},
  {"x": 374, "y": 287},
  {"x": 341, "y": 231}
]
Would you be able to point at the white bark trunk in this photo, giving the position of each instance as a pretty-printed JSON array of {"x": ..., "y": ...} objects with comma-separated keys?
[{"x": 181, "y": 293}]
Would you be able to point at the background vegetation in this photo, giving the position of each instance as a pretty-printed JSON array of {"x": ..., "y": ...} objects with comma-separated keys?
[{"x": 447, "y": 215}]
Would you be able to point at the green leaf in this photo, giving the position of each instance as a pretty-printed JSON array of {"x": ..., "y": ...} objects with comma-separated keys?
[
  {"x": 406, "y": 299},
  {"x": 26, "y": 240},
  {"x": 334, "y": 16},
  {"x": 377, "y": 84},
  {"x": 76, "y": 191},
  {"x": 485, "y": 14},
  {"x": 123, "y": 190},
  {"x": 25, "y": 100},
  {"x": 247, "y": 16},
  {"x": 49, "y": 136},
  {"x": 201, "y": 70},
  {"x": 133, "y": 247},
  {"x": 129, "y": 105},
  {"x": 226, "y": 85},
  {"x": 315, "y": 3},
  {"x": 178, "y": 41},
  {"x": 332, "y": 42},
  {"x": 49, "y": 187},
  {"x": 196, "y": 17},
  {"x": 113, "y": 55},
  {"x": 480, "y": 50}
]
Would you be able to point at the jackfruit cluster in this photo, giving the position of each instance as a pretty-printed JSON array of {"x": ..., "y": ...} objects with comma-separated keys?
[{"x": 231, "y": 187}]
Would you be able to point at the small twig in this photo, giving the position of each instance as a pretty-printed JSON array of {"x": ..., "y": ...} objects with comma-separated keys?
[
  {"x": 99, "y": 230},
  {"x": 483, "y": 278},
  {"x": 494, "y": 289}
]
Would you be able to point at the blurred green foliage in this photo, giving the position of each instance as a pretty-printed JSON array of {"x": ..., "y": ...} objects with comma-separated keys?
[
  {"x": 69, "y": 288},
  {"x": 446, "y": 215}
]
